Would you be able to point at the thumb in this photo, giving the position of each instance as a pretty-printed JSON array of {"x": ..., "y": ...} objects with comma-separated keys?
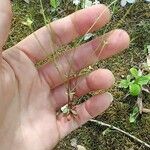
[{"x": 5, "y": 21}]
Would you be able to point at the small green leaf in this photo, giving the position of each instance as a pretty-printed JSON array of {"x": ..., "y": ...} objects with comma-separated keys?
[
  {"x": 134, "y": 115},
  {"x": 143, "y": 80},
  {"x": 124, "y": 84},
  {"x": 134, "y": 72},
  {"x": 28, "y": 22},
  {"x": 65, "y": 109},
  {"x": 129, "y": 77},
  {"x": 135, "y": 89},
  {"x": 54, "y": 3},
  {"x": 147, "y": 76}
]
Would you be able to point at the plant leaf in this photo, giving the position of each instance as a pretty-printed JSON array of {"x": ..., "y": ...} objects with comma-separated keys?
[
  {"x": 28, "y": 22},
  {"x": 135, "y": 89},
  {"x": 27, "y": 1},
  {"x": 54, "y": 3},
  {"x": 143, "y": 80},
  {"x": 147, "y": 76},
  {"x": 129, "y": 77},
  {"x": 134, "y": 72},
  {"x": 65, "y": 109},
  {"x": 134, "y": 115},
  {"x": 124, "y": 84}
]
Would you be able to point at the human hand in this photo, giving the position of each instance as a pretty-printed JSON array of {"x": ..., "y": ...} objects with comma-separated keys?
[{"x": 31, "y": 97}]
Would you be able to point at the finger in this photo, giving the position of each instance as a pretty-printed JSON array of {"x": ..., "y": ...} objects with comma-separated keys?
[
  {"x": 5, "y": 20},
  {"x": 84, "y": 55},
  {"x": 98, "y": 80},
  {"x": 63, "y": 31},
  {"x": 85, "y": 111}
]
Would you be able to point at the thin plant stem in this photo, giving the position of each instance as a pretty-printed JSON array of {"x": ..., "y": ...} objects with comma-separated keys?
[
  {"x": 103, "y": 46},
  {"x": 104, "y": 41},
  {"x": 78, "y": 43},
  {"x": 122, "y": 131},
  {"x": 97, "y": 19},
  {"x": 122, "y": 19},
  {"x": 49, "y": 28}
]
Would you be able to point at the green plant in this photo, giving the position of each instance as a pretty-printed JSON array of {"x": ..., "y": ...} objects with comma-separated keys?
[
  {"x": 54, "y": 3},
  {"x": 135, "y": 81},
  {"x": 134, "y": 115}
]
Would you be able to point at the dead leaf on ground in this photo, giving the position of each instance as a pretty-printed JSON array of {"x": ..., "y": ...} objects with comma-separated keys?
[
  {"x": 140, "y": 104},
  {"x": 80, "y": 147}
]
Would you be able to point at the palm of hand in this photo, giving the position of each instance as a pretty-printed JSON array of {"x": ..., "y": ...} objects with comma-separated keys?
[
  {"x": 33, "y": 114},
  {"x": 29, "y": 99}
]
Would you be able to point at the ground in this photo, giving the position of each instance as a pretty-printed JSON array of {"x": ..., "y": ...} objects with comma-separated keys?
[{"x": 137, "y": 23}]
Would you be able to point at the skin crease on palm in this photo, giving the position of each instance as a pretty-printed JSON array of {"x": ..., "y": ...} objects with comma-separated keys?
[{"x": 30, "y": 97}]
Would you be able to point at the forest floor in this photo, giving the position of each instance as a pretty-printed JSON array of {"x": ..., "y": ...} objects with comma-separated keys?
[{"x": 137, "y": 24}]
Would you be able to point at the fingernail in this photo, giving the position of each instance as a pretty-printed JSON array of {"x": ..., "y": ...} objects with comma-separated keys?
[{"x": 109, "y": 96}]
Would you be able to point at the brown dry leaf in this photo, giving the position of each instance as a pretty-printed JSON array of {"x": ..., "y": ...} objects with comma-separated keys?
[{"x": 80, "y": 147}]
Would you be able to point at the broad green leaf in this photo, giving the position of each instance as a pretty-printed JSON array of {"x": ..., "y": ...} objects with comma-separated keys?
[
  {"x": 135, "y": 89},
  {"x": 54, "y": 3},
  {"x": 134, "y": 115},
  {"x": 124, "y": 84},
  {"x": 143, "y": 80},
  {"x": 134, "y": 72}
]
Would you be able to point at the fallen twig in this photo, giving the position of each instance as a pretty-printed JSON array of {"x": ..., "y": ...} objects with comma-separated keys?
[
  {"x": 124, "y": 132},
  {"x": 145, "y": 110}
]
